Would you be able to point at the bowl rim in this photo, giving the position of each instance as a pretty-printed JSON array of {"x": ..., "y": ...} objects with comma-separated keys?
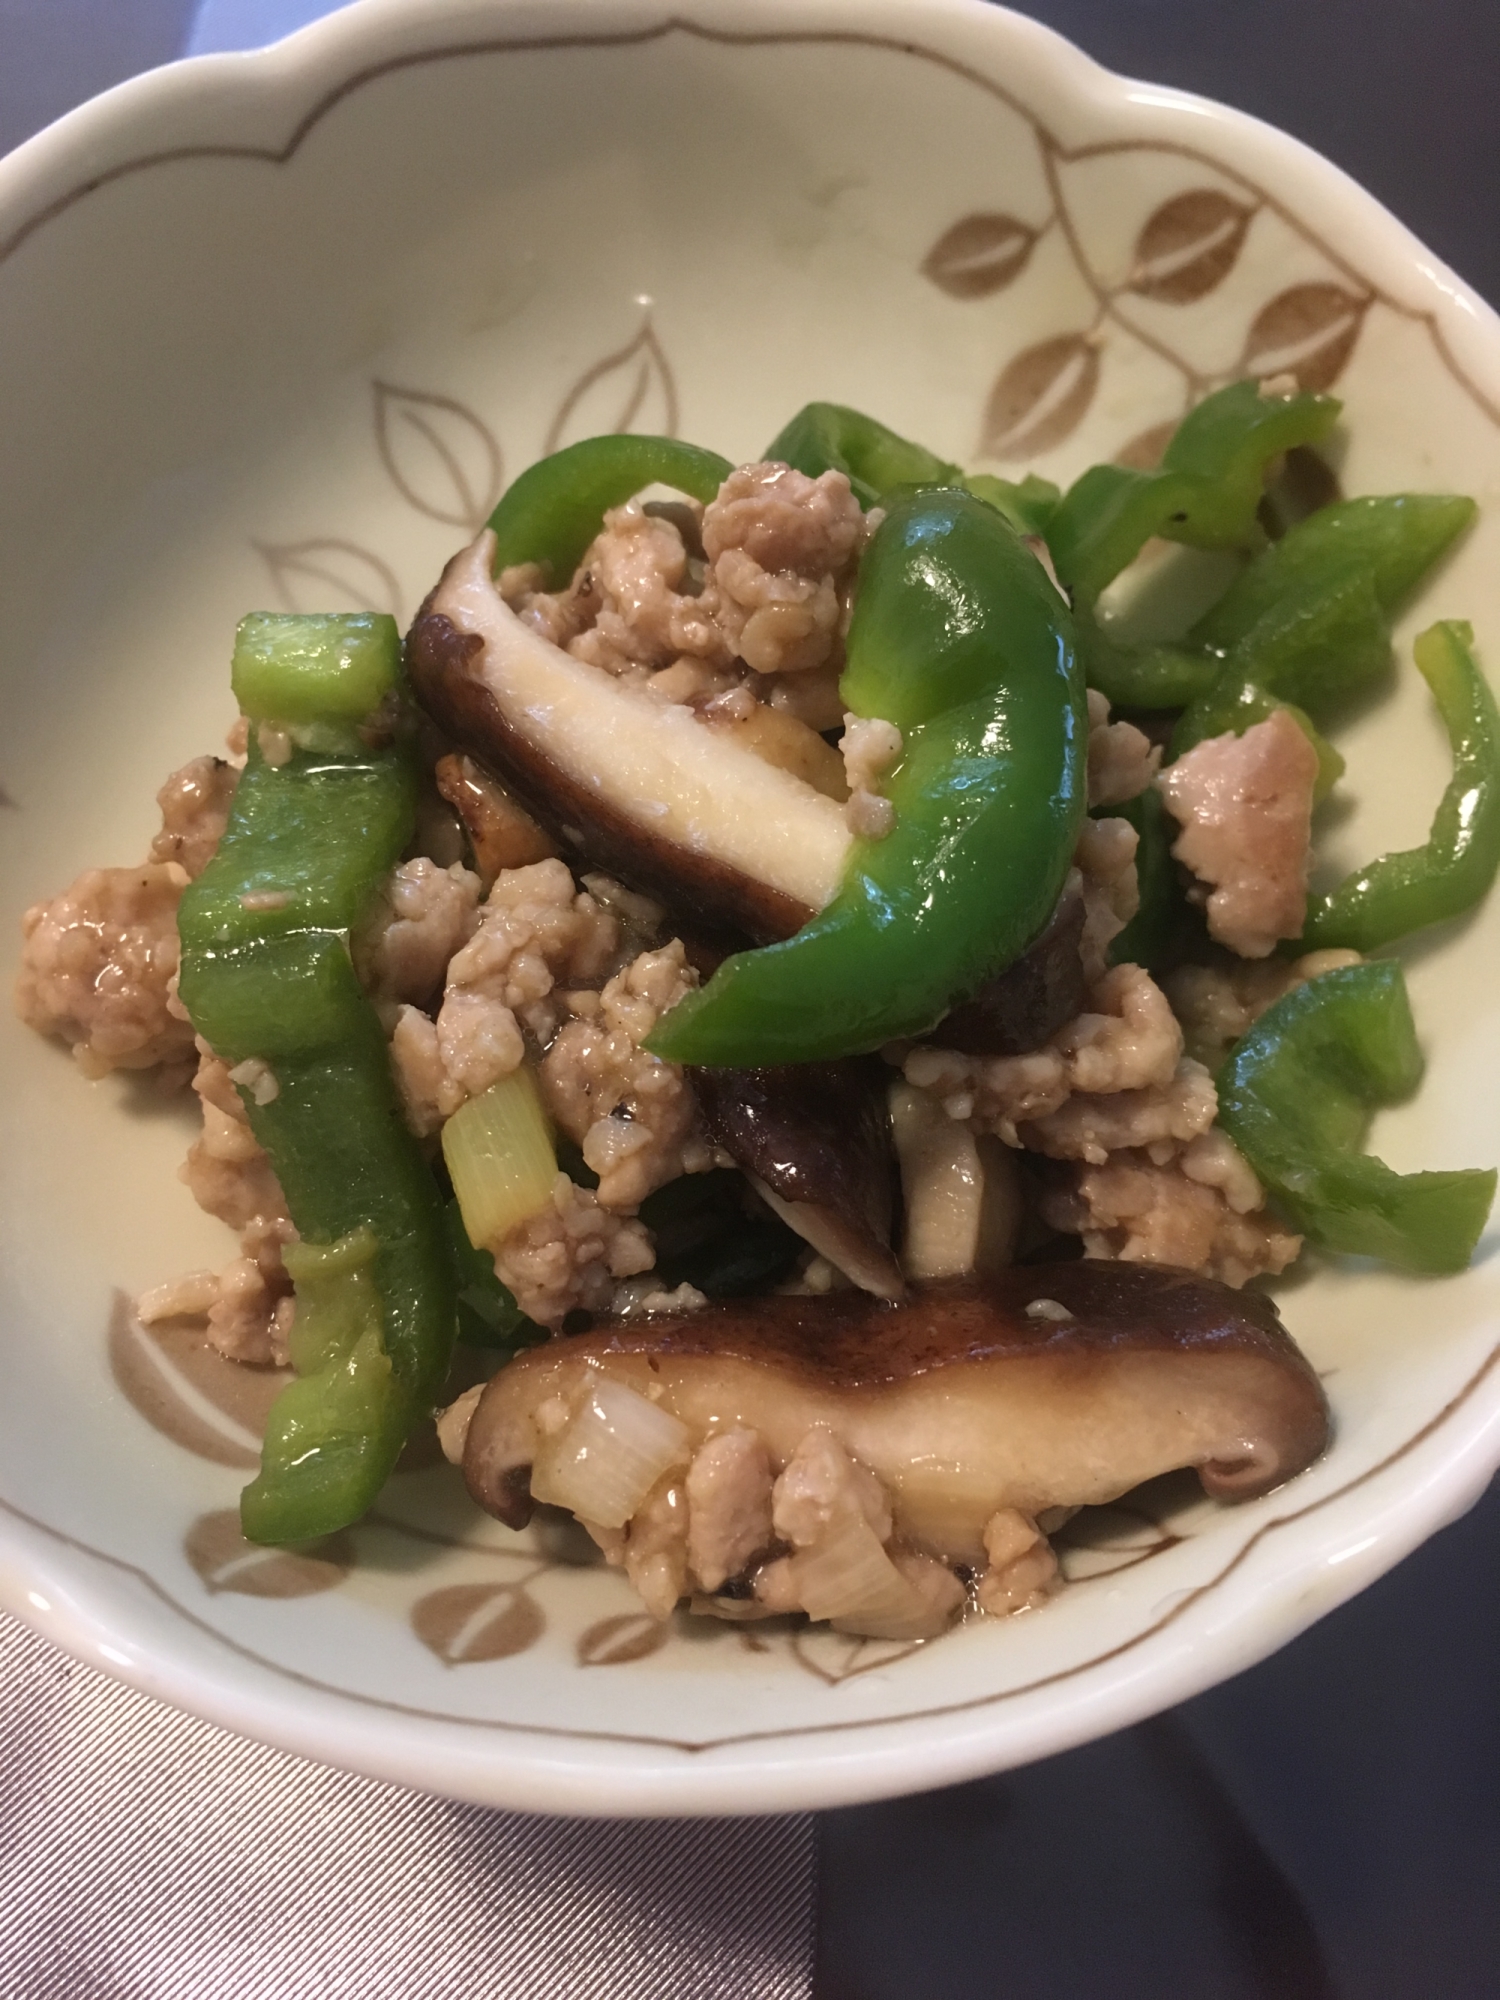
[{"x": 269, "y": 101}]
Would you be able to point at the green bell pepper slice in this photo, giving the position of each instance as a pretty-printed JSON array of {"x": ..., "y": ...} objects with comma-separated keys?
[
  {"x": 1296, "y": 1095},
  {"x": 557, "y": 506},
  {"x": 1454, "y": 869},
  {"x": 959, "y": 638},
  {"x": 829, "y": 437},
  {"x": 878, "y": 463},
  {"x": 1205, "y": 494},
  {"x": 266, "y": 974},
  {"x": 1308, "y": 622}
]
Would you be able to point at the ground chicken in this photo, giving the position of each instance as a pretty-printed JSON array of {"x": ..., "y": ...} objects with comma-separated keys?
[
  {"x": 1022, "y": 1570},
  {"x": 230, "y": 1176},
  {"x": 1122, "y": 759},
  {"x": 226, "y": 1171},
  {"x": 1157, "y": 1116},
  {"x": 632, "y": 579},
  {"x": 98, "y": 966},
  {"x": 689, "y": 601},
  {"x": 251, "y": 1319},
  {"x": 1127, "y": 1040},
  {"x": 729, "y": 1506},
  {"x": 1216, "y": 1004},
  {"x": 570, "y": 1254},
  {"x": 819, "y": 1484},
  {"x": 1105, "y": 860},
  {"x": 1201, "y": 1210},
  {"x": 634, "y": 1116},
  {"x": 781, "y": 549},
  {"x": 422, "y": 916},
  {"x": 1245, "y": 806},
  {"x": 195, "y": 804},
  {"x": 534, "y": 929},
  {"x": 654, "y": 1554}
]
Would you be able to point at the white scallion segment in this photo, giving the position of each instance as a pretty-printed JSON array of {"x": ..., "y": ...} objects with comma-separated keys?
[
  {"x": 609, "y": 1455},
  {"x": 500, "y": 1157},
  {"x": 698, "y": 788},
  {"x": 849, "y": 1574}
]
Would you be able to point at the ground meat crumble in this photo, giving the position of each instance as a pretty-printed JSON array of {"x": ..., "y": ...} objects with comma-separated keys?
[
  {"x": 743, "y": 601},
  {"x": 734, "y": 609},
  {"x": 1245, "y": 807}
]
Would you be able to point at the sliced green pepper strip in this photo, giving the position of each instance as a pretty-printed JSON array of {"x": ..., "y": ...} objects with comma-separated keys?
[
  {"x": 1296, "y": 1096},
  {"x": 1028, "y": 504},
  {"x": 959, "y": 639},
  {"x": 1308, "y": 622},
  {"x": 1392, "y": 540},
  {"x": 1205, "y": 493},
  {"x": 266, "y": 974},
  {"x": 557, "y": 506},
  {"x": 828, "y": 437},
  {"x": 1405, "y": 892},
  {"x": 1151, "y": 936},
  {"x": 879, "y": 463}
]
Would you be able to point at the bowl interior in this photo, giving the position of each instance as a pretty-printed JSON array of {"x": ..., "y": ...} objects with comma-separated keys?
[{"x": 290, "y": 360}]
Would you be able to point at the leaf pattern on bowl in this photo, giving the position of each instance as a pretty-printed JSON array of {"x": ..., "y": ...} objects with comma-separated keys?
[
  {"x": 633, "y": 388},
  {"x": 224, "y": 1560},
  {"x": 1189, "y": 245},
  {"x": 185, "y": 1388},
  {"x": 980, "y": 255},
  {"x": 1308, "y": 331},
  {"x": 621, "y": 1640},
  {"x": 1142, "y": 453},
  {"x": 471, "y": 1623},
  {"x": 329, "y": 574},
  {"x": 439, "y": 455},
  {"x": 833, "y": 1657},
  {"x": 1041, "y": 397}
]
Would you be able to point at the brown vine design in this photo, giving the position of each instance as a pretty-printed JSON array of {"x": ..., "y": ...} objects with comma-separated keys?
[{"x": 1184, "y": 251}]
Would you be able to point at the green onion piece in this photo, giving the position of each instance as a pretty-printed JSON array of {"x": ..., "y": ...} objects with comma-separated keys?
[{"x": 500, "y": 1157}]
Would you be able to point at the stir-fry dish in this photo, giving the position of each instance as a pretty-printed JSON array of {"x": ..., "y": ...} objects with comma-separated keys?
[{"x": 831, "y": 1018}]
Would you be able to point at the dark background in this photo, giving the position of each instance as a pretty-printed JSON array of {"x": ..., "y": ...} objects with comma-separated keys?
[{"x": 1326, "y": 1827}]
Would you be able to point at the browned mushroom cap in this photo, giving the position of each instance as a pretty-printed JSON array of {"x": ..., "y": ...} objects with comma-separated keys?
[
  {"x": 1020, "y": 1008},
  {"x": 501, "y": 835},
  {"x": 733, "y": 844},
  {"x": 816, "y": 1139},
  {"x": 1048, "y": 1386}
]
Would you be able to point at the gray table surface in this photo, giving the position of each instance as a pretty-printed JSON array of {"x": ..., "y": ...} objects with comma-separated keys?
[{"x": 1328, "y": 1824}]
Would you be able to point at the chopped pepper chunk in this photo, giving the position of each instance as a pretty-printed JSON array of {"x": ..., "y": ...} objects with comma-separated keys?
[
  {"x": 1296, "y": 1096},
  {"x": 959, "y": 639},
  {"x": 266, "y": 974},
  {"x": 554, "y": 510},
  {"x": 1449, "y": 874}
]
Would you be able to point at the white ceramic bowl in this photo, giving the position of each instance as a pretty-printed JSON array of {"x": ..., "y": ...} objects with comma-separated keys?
[{"x": 274, "y": 329}]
